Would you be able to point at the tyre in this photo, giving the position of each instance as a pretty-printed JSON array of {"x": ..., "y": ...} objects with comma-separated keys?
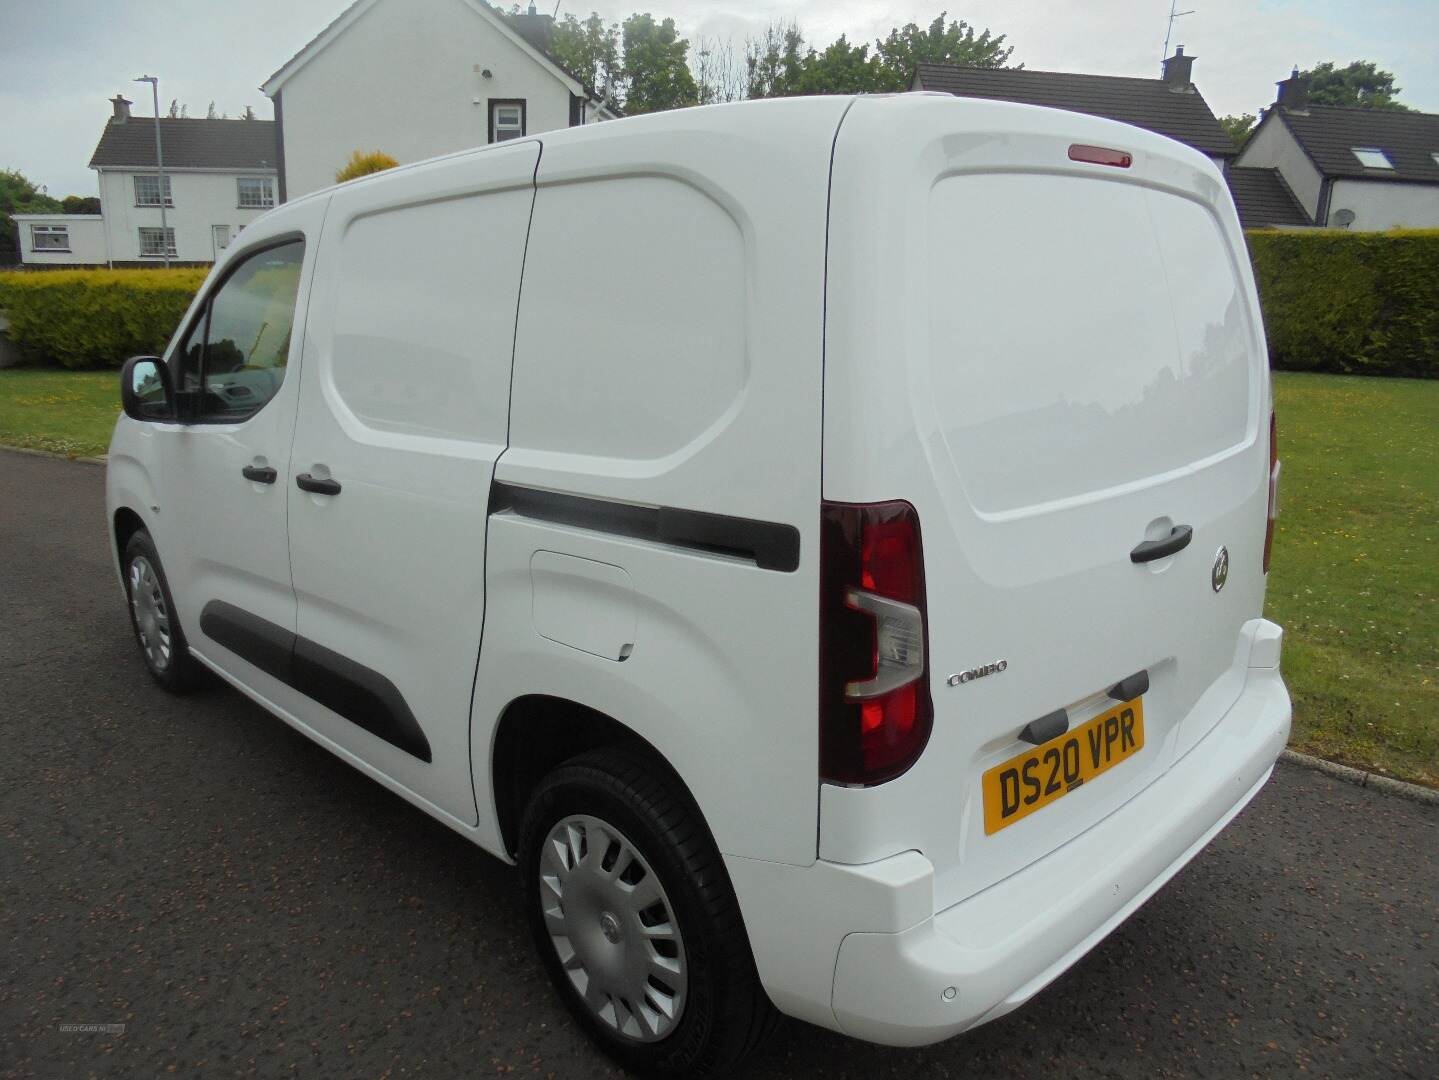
[
  {"x": 153, "y": 618},
  {"x": 635, "y": 919}
]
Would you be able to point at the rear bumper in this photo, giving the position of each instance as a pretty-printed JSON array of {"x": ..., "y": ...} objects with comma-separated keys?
[{"x": 949, "y": 971}]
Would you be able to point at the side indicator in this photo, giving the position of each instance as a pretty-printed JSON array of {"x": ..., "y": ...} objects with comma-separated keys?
[{"x": 1099, "y": 155}]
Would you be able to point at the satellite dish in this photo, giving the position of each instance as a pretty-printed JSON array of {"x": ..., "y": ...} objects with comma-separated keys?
[{"x": 1343, "y": 218}]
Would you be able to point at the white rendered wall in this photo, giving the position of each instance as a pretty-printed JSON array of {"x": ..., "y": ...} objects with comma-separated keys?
[
  {"x": 87, "y": 239},
  {"x": 405, "y": 78},
  {"x": 1381, "y": 204},
  {"x": 202, "y": 199},
  {"x": 1274, "y": 146}
]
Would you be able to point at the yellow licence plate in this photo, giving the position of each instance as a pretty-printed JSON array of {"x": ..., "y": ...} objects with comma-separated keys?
[{"x": 1046, "y": 774}]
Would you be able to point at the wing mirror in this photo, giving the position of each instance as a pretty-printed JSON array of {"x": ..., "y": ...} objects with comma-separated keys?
[{"x": 145, "y": 389}]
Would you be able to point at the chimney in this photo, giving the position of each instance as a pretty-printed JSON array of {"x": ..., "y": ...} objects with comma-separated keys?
[
  {"x": 1177, "y": 69},
  {"x": 122, "y": 109},
  {"x": 1293, "y": 93},
  {"x": 537, "y": 29},
  {"x": 249, "y": 113}
]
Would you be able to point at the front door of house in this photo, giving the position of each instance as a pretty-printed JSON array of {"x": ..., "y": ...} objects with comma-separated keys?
[{"x": 220, "y": 237}]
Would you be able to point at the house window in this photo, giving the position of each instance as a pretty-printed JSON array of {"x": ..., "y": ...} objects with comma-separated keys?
[
  {"x": 147, "y": 190},
  {"x": 157, "y": 242},
  {"x": 1371, "y": 157},
  {"x": 507, "y": 120},
  {"x": 50, "y": 237},
  {"x": 256, "y": 192}
]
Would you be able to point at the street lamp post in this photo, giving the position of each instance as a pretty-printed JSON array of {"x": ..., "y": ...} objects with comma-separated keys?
[{"x": 159, "y": 167}]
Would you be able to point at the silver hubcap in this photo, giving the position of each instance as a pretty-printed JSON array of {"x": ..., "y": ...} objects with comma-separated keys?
[
  {"x": 152, "y": 617},
  {"x": 613, "y": 928}
]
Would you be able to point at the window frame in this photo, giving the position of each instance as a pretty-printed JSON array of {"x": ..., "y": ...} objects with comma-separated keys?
[
  {"x": 169, "y": 247},
  {"x": 1358, "y": 151},
  {"x": 267, "y": 200},
  {"x": 495, "y": 104},
  {"x": 168, "y": 199},
  {"x": 49, "y": 230},
  {"x": 201, "y": 318}
]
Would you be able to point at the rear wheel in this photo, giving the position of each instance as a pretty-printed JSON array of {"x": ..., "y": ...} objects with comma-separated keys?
[
  {"x": 152, "y": 617},
  {"x": 635, "y": 920}
]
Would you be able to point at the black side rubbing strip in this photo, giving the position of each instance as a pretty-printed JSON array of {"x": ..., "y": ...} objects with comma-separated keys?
[
  {"x": 1130, "y": 688},
  {"x": 361, "y": 695},
  {"x": 267, "y": 646},
  {"x": 770, "y": 545}
]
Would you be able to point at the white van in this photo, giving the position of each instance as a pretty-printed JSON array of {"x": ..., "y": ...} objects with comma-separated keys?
[{"x": 822, "y": 542}]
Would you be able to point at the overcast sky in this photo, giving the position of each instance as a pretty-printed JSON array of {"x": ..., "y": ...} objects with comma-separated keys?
[{"x": 61, "y": 59}]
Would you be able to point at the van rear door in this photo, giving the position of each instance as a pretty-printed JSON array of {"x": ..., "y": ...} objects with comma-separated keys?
[{"x": 1042, "y": 333}]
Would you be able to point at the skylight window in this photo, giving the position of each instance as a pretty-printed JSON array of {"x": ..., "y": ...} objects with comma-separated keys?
[{"x": 1371, "y": 157}]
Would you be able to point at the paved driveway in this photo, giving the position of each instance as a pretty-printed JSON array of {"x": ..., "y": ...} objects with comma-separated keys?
[{"x": 244, "y": 904}]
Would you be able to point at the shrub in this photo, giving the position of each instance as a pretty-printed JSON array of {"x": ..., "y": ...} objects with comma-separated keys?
[
  {"x": 95, "y": 318},
  {"x": 1360, "y": 303},
  {"x": 362, "y": 164}
]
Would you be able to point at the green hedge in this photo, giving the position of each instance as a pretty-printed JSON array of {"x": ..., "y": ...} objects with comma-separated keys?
[
  {"x": 1362, "y": 303},
  {"x": 95, "y": 318}
]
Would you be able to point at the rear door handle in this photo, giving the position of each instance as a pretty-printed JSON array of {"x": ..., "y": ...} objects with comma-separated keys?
[
  {"x": 306, "y": 482},
  {"x": 261, "y": 474},
  {"x": 1177, "y": 540}
]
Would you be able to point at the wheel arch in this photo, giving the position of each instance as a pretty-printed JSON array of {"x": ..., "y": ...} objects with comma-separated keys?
[
  {"x": 538, "y": 732},
  {"x": 125, "y": 523}
]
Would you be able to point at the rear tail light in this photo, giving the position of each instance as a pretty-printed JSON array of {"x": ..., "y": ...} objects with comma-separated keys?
[
  {"x": 875, "y": 708},
  {"x": 1273, "y": 489}
]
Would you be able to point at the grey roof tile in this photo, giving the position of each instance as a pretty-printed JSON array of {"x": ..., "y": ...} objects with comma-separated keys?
[
  {"x": 1263, "y": 199},
  {"x": 1148, "y": 103},
  {"x": 187, "y": 144},
  {"x": 1409, "y": 140}
]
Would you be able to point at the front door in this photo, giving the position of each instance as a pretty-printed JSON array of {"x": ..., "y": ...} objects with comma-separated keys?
[
  {"x": 222, "y": 525},
  {"x": 404, "y": 407},
  {"x": 219, "y": 239}
]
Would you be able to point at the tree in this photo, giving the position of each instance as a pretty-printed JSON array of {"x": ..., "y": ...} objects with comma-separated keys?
[
  {"x": 780, "y": 64},
  {"x": 80, "y": 204},
  {"x": 363, "y": 164},
  {"x": 1360, "y": 85},
  {"x": 656, "y": 73},
  {"x": 941, "y": 43},
  {"x": 1238, "y": 127},
  {"x": 19, "y": 195},
  {"x": 590, "y": 50},
  {"x": 718, "y": 71},
  {"x": 772, "y": 63}
]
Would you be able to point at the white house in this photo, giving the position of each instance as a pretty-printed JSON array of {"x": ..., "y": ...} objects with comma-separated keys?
[
  {"x": 417, "y": 78},
  {"x": 219, "y": 176},
  {"x": 1350, "y": 168}
]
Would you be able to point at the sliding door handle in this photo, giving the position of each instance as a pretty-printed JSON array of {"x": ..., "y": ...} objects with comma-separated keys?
[
  {"x": 1177, "y": 540},
  {"x": 316, "y": 486},
  {"x": 261, "y": 474}
]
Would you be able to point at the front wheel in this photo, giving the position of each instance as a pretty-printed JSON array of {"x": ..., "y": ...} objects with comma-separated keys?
[
  {"x": 635, "y": 919},
  {"x": 152, "y": 617}
]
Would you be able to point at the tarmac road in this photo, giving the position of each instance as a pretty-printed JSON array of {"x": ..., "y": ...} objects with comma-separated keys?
[{"x": 247, "y": 905}]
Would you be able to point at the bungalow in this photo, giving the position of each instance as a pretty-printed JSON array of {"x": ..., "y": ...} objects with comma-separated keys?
[{"x": 1350, "y": 168}]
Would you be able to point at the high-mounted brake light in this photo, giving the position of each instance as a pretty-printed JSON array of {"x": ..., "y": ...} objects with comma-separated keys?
[
  {"x": 1273, "y": 489},
  {"x": 1099, "y": 155},
  {"x": 875, "y": 708}
]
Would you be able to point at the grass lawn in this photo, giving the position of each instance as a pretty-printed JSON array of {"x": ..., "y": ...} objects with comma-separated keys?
[
  {"x": 65, "y": 412},
  {"x": 1355, "y": 576},
  {"x": 1355, "y": 580}
]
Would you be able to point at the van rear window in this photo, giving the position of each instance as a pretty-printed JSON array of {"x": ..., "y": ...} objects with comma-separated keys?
[{"x": 1084, "y": 334}]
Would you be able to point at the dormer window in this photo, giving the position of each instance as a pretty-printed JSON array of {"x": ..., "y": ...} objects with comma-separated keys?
[{"x": 1371, "y": 157}]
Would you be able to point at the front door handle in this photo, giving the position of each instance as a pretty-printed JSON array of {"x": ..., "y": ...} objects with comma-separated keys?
[
  {"x": 306, "y": 482},
  {"x": 1177, "y": 540},
  {"x": 261, "y": 474}
]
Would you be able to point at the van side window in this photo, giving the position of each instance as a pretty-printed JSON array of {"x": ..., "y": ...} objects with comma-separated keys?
[{"x": 235, "y": 355}]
